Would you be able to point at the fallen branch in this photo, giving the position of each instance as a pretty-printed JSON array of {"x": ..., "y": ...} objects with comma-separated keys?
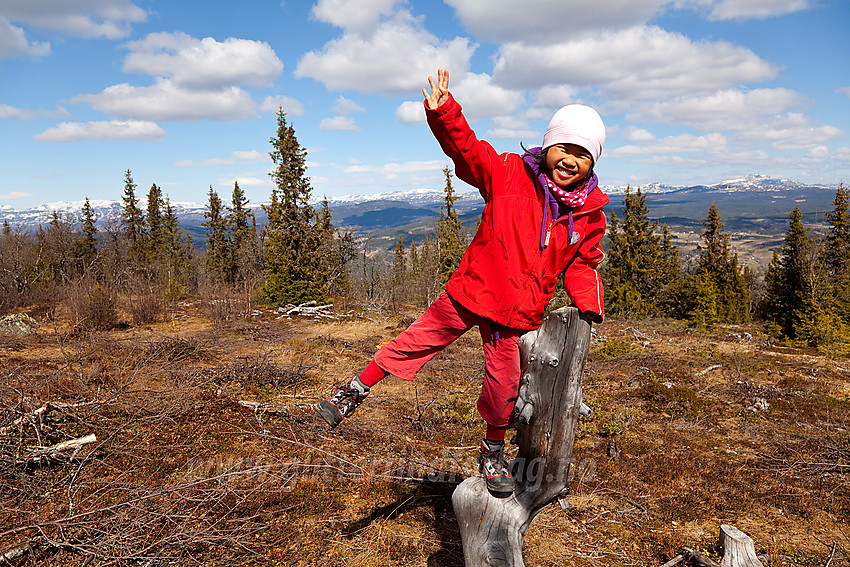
[
  {"x": 699, "y": 558},
  {"x": 46, "y": 455},
  {"x": 309, "y": 309},
  {"x": 267, "y": 408},
  {"x": 709, "y": 369},
  {"x": 675, "y": 561},
  {"x": 8, "y": 556},
  {"x": 831, "y": 555},
  {"x": 37, "y": 416}
]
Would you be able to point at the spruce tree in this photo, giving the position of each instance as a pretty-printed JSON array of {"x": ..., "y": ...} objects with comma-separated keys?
[
  {"x": 337, "y": 250},
  {"x": 245, "y": 254},
  {"x": 86, "y": 245},
  {"x": 705, "y": 314},
  {"x": 294, "y": 270},
  {"x": 450, "y": 237},
  {"x": 132, "y": 221},
  {"x": 788, "y": 281},
  {"x": 719, "y": 264},
  {"x": 154, "y": 239},
  {"x": 218, "y": 262},
  {"x": 835, "y": 256},
  {"x": 671, "y": 290},
  {"x": 174, "y": 253},
  {"x": 637, "y": 269}
]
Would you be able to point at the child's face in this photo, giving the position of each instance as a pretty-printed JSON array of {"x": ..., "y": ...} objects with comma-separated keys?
[{"x": 568, "y": 163}]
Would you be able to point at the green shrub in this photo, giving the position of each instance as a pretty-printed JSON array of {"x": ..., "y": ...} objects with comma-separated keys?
[
  {"x": 99, "y": 312},
  {"x": 457, "y": 409},
  {"x": 613, "y": 348},
  {"x": 673, "y": 399}
]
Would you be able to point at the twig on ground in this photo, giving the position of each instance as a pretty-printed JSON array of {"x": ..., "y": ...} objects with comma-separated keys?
[
  {"x": 675, "y": 561},
  {"x": 831, "y": 555},
  {"x": 709, "y": 369}
]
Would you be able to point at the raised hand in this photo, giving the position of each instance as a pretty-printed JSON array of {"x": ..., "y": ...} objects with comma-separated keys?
[{"x": 439, "y": 91}]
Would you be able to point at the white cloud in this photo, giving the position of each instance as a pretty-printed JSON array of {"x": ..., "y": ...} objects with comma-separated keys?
[
  {"x": 410, "y": 112},
  {"x": 817, "y": 153},
  {"x": 730, "y": 109},
  {"x": 235, "y": 157},
  {"x": 395, "y": 59},
  {"x": 551, "y": 97},
  {"x": 513, "y": 128},
  {"x": 670, "y": 146},
  {"x": 113, "y": 130},
  {"x": 167, "y": 101},
  {"x": 758, "y": 9},
  {"x": 633, "y": 134},
  {"x": 395, "y": 169},
  {"x": 841, "y": 156},
  {"x": 538, "y": 21},
  {"x": 14, "y": 42},
  {"x": 792, "y": 131},
  {"x": 245, "y": 181},
  {"x": 15, "y": 195},
  {"x": 633, "y": 64},
  {"x": 844, "y": 90},
  {"x": 346, "y": 106},
  {"x": 482, "y": 99},
  {"x": 111, "y": 19},
  {"x": 7, "y": 111},
  {"x": 356, "y": 15},
  {"x": 290, "y": 106},
  {"x": 204, "y": 63},
  {"x": 338, "y": 123}
]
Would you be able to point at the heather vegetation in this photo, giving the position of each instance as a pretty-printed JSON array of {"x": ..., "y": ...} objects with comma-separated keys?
[{"x": 718, "y": 395}]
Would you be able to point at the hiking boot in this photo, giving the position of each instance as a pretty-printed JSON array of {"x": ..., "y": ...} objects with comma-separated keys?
[
  {"x": 343, "y": 403},
  {"x": 492, "y": 464}
]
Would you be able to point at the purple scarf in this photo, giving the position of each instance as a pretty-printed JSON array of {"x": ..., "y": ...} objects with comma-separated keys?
[{"x": 551, "y": 204}]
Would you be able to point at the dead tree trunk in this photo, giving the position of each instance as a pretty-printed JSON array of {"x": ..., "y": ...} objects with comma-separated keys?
[{"x": 553, "y": 358}]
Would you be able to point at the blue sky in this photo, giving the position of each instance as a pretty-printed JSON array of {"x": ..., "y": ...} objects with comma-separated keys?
[{"x": 184, "y": 94}]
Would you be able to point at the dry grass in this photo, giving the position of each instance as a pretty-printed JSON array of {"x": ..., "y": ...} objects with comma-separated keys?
[{"x": 183, "y": 474}]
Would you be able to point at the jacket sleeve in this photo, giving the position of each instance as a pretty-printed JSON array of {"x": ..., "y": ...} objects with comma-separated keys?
[
  {"x": 581, "y": 279},
  {"x": 474, "y": 159}
]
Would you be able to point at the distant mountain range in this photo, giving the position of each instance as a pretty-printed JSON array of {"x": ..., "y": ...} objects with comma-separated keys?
[{"x": 752, "y": 203}]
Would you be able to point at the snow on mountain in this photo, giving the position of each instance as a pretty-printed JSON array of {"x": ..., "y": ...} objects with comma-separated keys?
[
  {"x": 72, "y": 211},
  {"x": 752, "y": 182},
  {"x": 412, "y": 196},
  {"x": 193, "y": 212}
]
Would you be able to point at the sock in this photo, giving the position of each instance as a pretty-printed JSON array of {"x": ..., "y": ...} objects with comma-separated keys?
[
  {"x": 372, "y": 375},
  {"x": 496, "y": 434}
]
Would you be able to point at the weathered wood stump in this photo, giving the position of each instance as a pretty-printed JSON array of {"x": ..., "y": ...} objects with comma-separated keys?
[
  {"x": 737, "y": 548},
  {"x": 547, "y": 410}
]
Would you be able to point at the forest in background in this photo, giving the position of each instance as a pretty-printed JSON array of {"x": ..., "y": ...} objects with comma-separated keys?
[{"x": 131, "y": 269}]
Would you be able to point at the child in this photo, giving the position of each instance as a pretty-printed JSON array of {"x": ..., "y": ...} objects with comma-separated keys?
[{"x": 543, "y": 216}]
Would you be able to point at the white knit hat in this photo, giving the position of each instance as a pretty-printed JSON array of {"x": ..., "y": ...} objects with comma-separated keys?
[{"x": 577, "y": 124}]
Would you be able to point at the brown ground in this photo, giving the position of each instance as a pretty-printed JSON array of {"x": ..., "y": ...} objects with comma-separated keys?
[{"x": 183, "y": 474}]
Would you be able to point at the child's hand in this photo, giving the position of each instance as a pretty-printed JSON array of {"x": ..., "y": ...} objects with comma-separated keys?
[{"x": 440, "y": 91}]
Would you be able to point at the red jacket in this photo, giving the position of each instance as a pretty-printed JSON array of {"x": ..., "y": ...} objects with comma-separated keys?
[{"x": 504, "y": 275}]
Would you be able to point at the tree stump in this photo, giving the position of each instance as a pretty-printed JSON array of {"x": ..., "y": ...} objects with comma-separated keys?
[
  {"x": 553, "y": 358},
  {"x": 737, "y": 548}
]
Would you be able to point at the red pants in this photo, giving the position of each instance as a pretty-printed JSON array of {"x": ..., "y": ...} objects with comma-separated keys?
[{"x": 443, "y": 322}]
